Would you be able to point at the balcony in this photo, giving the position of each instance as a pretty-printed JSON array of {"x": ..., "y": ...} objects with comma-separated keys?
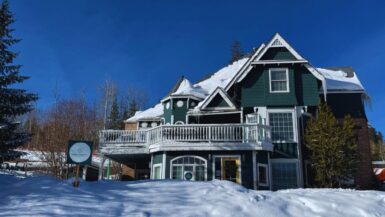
[{"x": 186, "y": 137}]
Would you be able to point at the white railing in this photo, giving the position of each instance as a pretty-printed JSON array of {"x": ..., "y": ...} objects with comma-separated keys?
[{"x": 211, "y": 133}]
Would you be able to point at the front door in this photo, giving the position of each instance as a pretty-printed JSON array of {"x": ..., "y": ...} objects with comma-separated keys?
[{"x": 228, "y": 168}]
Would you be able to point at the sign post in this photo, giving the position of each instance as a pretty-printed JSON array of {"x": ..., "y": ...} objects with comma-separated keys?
[{"x": 79, "y": 153}]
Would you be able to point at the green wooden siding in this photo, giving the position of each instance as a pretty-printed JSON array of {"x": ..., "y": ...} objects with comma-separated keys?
[
  {"x": 167, "y": 113},
  {"x": 255, "y": 88},
  {"x": 218, "y": 101},
  {"x": 179, "y": 112},
  {"x": 278, "y": 53}
]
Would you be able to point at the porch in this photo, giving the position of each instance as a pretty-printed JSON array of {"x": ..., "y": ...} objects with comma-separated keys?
[{"x": 186, "y": 137}]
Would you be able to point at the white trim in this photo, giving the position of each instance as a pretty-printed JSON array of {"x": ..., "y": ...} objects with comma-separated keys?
[
  {"x": 194, "y": 164},
  {"x": 267, "y": 62},
  {"x": 295, "y": 131},
  {"x": 287, "y": 80},
  {"x": 285, "y": 160},
  {"x": 164, "y": 165},
  {"x": 223, "y": 94},
  {"x": 284, "y": 43},
  {"x": 161, "y": 170},
  {"x": 181, "y": 97},
  {"x": 179, "y": 123},
  {"x": 214, "y": 113},
  {"x": 228, "y": 156},
  {"x": 270, "y": 179},
  {"x": 255, "y": 178},
  {"x": 172, "y": 120},
  {"x": 244, "y": 69},
  {"x": 267, "y": 175}
]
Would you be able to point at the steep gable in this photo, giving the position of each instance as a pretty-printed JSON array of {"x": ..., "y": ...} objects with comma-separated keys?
[{"x": 218, "y": 100}]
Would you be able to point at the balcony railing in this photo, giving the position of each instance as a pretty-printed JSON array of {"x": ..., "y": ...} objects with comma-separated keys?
[{"x": 193, "y": 133}]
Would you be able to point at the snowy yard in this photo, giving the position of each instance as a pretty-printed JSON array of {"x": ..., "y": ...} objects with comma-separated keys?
[{"x": 44, "y": 196}]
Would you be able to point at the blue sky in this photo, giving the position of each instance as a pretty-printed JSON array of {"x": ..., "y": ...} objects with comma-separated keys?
[{"x": 76, "y": 45}]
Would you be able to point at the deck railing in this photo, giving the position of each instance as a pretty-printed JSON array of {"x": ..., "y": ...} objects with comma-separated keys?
[{"x": 210, "y": 133}]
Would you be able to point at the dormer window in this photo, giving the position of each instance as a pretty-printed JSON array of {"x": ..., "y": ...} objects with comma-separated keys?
[{"x": 279, "y": 80}]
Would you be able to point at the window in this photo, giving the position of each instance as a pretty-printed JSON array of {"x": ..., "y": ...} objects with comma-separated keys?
[
  {"x": 281, "y": 124},
  {"x": 183, "y": 167},
  {"x": 263, "y": 177},
  {"x": 157, "y": 171},
  {"x": 284, "y": 175},
  {"x": 279, "y": 80}
]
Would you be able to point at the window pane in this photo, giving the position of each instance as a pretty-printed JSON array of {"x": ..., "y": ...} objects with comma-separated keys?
[
  {"x": 284, "y": 175},
  {"x": 278, "y": 75},
  {"x": 199, "y": 173},
  {"x": 177, "y": 172},
  {"x": 281, "y": 127},
  {"x": 278, "y": 80}
]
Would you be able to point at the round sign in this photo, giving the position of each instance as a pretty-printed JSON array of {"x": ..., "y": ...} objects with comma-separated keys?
[
  {"x": 188, "y": 175},
  {"x": 79, "y": 152}
]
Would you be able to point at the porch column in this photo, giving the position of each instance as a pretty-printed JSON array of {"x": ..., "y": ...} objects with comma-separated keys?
[
  {"x": 101, "y": 168},
  {"x": 84, "y": 176}
]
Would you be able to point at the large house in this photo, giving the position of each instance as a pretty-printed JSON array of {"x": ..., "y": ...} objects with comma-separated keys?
[{"x": 245, "y": 123}]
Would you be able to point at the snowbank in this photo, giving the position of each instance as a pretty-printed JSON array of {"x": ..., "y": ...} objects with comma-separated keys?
[{"x": 43, "y": 196}]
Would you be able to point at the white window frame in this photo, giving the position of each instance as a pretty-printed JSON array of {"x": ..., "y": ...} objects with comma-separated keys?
[
  {"x": 228, "y": 156},
  {"x": 193, "y": 156},
  {"x": 153, "y": 170},
  {"x": 267, "y": 175},
  {"x": 179, "y": 123},
  {"x": 294, "y": 117},
  {"x": 287, "y": 80}
]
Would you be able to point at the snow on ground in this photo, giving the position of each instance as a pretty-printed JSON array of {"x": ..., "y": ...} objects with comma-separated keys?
[{"x": 44, "y": 196}]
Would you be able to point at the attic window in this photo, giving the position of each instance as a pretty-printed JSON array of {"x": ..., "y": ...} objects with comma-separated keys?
[
  {"x": 276, "y": 43},
  {"x": 279, "y": 80}
]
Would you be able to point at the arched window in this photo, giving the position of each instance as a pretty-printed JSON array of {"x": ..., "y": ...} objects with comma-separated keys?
[
  {"x": 179, "y": 123},
  {"x": 189, "y": 167}
]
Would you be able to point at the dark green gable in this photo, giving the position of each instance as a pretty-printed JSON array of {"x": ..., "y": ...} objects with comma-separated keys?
[
  {"x": 218, "y": 101},
  {"x": 255, "y": 88},
  {"x": 278, "y": 53}
]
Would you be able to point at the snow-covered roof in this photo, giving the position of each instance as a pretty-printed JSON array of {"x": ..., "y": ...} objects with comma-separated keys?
[
  {"x": 185, "y": 88},
  {"x": 341, "y": 79},
  {"x": 201, "y": 89},
  {"x": 154, "y": 112}
]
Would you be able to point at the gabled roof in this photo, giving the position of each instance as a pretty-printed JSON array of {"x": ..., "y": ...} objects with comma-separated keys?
[
  {"x": 342, "y": 79},
  {"x": 205, "y": 104},
  {"x": 278, "y": 41}
]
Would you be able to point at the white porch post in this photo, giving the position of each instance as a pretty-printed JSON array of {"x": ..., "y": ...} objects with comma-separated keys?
[
  {"x": 164, "y": 165},
  {"x": 84, "y": 172},
  {"x": 101, "y": 168}
]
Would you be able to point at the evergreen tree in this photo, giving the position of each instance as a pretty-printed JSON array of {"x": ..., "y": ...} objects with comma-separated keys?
[
  {"x": 14, "y": 102},
  {"x": 114, "y": 118},
  {"x": 132, "y": 108},
  {"x": 332, "y": 146},
  {"x": 236, "y": 52}
]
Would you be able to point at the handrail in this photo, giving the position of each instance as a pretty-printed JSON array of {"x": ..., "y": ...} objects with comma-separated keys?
[{"x": 244, "y": 133}]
